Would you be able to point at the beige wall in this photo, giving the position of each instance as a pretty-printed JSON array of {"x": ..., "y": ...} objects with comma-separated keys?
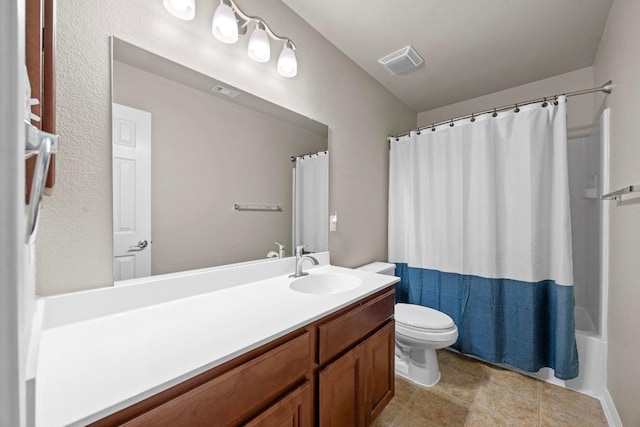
[
  {"x": 618, "y": 59},
  {"x": 579, "y": 115},
  {"x": 75, "y": 249},
  {"x": 209, "y": 153}
]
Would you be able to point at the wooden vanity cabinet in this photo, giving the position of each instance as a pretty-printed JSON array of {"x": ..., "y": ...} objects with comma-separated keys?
[
  {"x": 230, "y": 394},
  {"x": 355, "y": 388},
  {"x": 337, "y": 371}
]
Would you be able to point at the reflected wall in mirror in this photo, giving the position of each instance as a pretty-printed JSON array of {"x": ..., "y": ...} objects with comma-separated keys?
[{"x": 208, "y": 151}]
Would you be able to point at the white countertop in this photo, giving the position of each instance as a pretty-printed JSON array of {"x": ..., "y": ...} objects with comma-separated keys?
[{"x": 90, "y": 368}]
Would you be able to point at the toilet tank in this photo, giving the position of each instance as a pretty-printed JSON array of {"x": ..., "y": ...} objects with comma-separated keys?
[{"x": 380, "y": 268}]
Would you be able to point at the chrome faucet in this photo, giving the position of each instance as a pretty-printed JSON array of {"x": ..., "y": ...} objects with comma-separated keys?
[
  {"x": 300, "y": 259},
  {"x": 280, "y": 250}
]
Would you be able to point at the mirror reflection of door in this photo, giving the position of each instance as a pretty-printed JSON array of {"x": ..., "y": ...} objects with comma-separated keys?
[{"x": 131, "y": 192}]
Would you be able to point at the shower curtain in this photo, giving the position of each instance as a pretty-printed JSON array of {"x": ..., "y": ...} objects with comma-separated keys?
[
  {"x": 311, "y": 202},
  {"x": 479, "y": 227}
]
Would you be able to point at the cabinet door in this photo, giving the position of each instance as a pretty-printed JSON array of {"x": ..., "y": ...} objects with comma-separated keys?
[
  {"x": 341, "y": 391},
  {"x": 293, "y": 410},
  {"x": 379, "y": 352}
]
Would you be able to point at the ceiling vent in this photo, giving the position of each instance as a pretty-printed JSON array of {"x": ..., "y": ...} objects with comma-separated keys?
[
  {"x": 225, "y": 91},
  {"x": 401, "y": 61}
]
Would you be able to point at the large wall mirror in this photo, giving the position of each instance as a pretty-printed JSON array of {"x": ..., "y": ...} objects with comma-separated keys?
[{"x": 206, "y": 174}]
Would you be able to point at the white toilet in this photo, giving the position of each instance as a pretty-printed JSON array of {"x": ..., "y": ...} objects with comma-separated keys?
[{"x": 420, "y": 331}]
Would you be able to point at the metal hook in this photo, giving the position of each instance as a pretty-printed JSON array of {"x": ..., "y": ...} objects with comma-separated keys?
[
  {"x": 418, "y": 132},
  {"x": 517, "y": 110},
  {"x": 495, "y": 113},
  {"x": 473, "y": 119},
  {"x": 545, "y": 103},
  {"x": 433, "y": 127},
  {"x": 451, "y": 123}
]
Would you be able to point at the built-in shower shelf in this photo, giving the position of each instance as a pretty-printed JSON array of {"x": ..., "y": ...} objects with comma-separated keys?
[
  {"x": 617, "y": 195},
  {"x": 590, "y": 193}
]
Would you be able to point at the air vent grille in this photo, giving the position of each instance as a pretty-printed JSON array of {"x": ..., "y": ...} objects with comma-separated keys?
[
  {"x": 225, "y": 91},
  {"x": 401, "y": 61}
]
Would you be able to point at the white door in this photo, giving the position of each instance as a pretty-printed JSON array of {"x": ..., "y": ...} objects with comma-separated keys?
[
  {"x": 16, "y": 291},
  {"x": 131, "y": 193}
]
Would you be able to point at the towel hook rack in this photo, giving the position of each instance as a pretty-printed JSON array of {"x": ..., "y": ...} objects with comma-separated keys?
[{"x": 41, "y": 144}]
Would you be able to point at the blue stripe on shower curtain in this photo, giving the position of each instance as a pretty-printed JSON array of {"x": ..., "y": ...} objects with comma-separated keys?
[{"x": 526, "y": 325}]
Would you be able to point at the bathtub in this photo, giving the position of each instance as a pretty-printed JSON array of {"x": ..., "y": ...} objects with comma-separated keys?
[{"x": 592, "y": 353}]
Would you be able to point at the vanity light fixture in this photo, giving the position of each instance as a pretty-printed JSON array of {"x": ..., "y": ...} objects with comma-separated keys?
[
  {"x": 259, "y": 49},
  {"x": 183, "y": 9},
  {"x": 229, "y": 22},
  {"x": 287, "y": 64},
  {"x": 224, "y": 26}
]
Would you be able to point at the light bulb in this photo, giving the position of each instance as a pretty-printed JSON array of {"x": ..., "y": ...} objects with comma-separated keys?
[
  {"x": 224, "y": 26},
  {"x": 183, "y": 9},
  {"x": 287, "y": 63},
  {"x": 259, "y": 49}
]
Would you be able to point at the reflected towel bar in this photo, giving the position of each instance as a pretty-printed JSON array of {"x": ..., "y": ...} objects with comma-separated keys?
[
  {"x": 270, "y": 208},
  {"x": 617, "y": 195}
]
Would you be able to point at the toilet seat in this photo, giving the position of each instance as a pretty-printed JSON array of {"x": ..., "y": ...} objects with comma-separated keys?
[
  {"x": 425, "y": 324},
  {"x": 418, "y": 317}
]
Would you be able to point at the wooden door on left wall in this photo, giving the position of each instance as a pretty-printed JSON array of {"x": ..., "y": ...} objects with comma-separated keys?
[{"x": 40, "y": 34}]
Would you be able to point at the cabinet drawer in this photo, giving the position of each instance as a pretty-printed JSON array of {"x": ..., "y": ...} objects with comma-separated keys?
[
  {"x": 293, "y": 410},
  {"x": 340, "y": 333},
  {"x": 236, "y": 395}
]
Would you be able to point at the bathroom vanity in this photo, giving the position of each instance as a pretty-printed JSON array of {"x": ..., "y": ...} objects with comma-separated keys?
[{"x": 253, "y": 352}]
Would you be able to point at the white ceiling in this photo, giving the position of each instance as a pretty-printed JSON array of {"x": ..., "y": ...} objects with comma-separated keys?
[{"x": 470, "y": 47}]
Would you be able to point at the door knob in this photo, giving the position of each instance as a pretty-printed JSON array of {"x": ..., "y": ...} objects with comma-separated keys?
[{"x": 140, "y": 246}]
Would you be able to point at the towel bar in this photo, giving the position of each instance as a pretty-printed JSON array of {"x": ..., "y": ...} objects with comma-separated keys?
[
  {"x": 617, "y": 195},
  {"x": 271, "y": 208}
]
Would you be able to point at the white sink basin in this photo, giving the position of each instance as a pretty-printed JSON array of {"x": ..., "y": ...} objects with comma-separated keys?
[{"x": 325, "y": 284}]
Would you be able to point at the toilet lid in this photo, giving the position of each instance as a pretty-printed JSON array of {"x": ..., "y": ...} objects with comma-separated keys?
[{"x": 421, "y": 317}]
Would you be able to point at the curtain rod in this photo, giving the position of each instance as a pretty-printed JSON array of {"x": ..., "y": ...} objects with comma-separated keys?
[
  {"x": 315, "y": 153},
  {"x": 606, "y": 88}
]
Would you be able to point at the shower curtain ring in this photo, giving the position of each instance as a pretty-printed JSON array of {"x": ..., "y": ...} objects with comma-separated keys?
[
  {"x": 544, "y": 104},
  {"x": 433, "y": 127},
  {"x": 495, "y": 113},
  {"x": 451, "y": 123},
  {"x": 473, "y": 119},
  {"x": 517, "y": 110}
]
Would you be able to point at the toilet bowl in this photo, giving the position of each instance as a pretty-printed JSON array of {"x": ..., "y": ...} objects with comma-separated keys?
[{"x": 420, "y": 331}]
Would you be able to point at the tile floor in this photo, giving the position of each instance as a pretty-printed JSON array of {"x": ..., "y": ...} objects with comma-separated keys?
[{"x": 475, "y": 394}]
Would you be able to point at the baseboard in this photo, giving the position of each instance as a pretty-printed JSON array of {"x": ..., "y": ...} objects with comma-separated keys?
[{"x": 610, "y": 411}]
